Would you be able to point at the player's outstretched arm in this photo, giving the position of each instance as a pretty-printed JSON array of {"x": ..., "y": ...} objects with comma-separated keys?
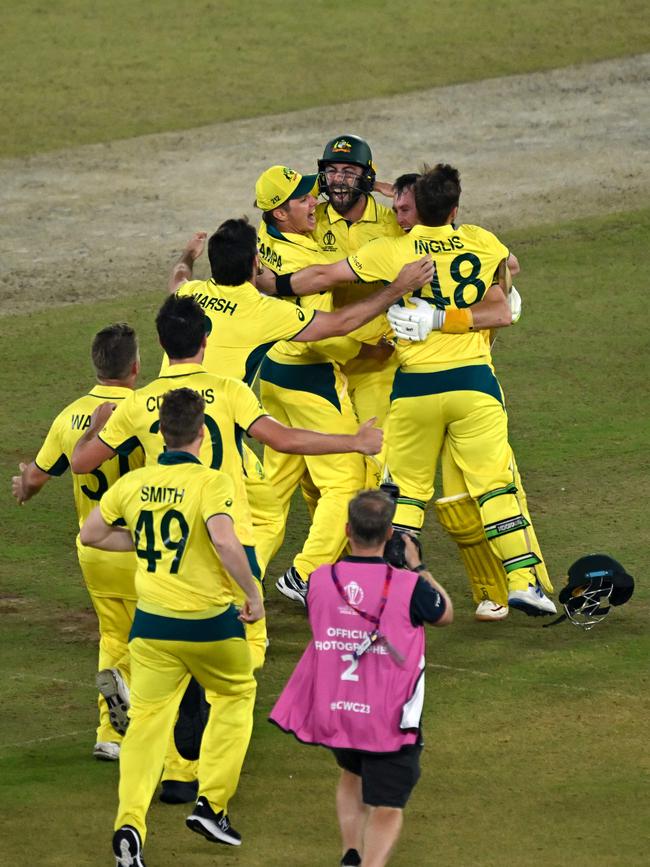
[
  {"x": 300, "y": 441},
  {"x": 307, "y": 281},
  {"x": 96, "y": 533},
  {"x": 352, "y": 316},
  {"x": 29, "y": 482},
  {"x": 233, "y": 557},
  {"x": 184, "y": 267},
  {"x": 90, "y": 451}
]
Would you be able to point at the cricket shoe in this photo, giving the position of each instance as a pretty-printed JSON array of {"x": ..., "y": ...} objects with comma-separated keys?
[
  {"x": 351, "y": 859},
  {"x": 111, "y": 685},
  {"x": 214, "y": 826},
  {"x": 106, "y": 751},
  {"x": 488, "y": 611},
  {"x": 127, "y": 847},
  {"x": 531, "y": 601},
  {"x": 292, "y": 586}
]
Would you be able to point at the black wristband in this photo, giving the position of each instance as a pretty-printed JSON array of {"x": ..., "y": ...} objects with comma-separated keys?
[
  {"x": 283, "y": 285},
  {"x": 420, "y": 568}
]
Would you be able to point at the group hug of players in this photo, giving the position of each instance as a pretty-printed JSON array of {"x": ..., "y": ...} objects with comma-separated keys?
[{"x": 369, "y": 330}]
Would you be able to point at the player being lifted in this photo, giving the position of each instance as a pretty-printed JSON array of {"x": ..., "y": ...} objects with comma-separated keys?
[
  {"x": 445, "y": 384},
  {"x": 457, "y": 512}
]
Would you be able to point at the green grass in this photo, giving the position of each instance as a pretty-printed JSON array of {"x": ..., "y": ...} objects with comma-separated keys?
[
  {"x": 535, "y": 750},
  {"x": 76, "y": 72}
]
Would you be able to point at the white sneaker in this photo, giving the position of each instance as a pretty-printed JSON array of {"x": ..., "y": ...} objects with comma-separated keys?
[
  {"x": 488, "y": 611},
  {"x": 531, "y": 601},
  {"x": 106, "y": 751},
  {"x": 112, "y": 686},
  {"x": 292, "y": 586}
]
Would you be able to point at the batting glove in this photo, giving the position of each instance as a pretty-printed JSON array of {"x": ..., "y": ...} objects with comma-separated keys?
[
  {"x": 415, "y": 323},
  {"x": 515, "y": 304}
]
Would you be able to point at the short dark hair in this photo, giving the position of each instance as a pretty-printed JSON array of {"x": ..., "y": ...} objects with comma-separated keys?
[
  {"x": 437, "y": 192},
  {"x": 181, "y": 326},
  {"x": 370, "y": 515},
  {"x": 181, "y": 417},
  {"x": 114, "y": 351},
  {"x": 405, "y": 182},
  {"x": 232, "y": 250}
]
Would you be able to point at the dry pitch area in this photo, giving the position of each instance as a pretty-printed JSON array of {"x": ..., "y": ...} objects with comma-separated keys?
[{"x": 103, "y": 219}]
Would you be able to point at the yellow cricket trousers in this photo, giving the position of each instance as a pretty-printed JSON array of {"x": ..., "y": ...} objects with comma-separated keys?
[
  {"x": 110, "y": 581},
  {"x": 160, "y": 671},
  {"x": 312, "y": 396},
  {"x": 466, "y": 405}
]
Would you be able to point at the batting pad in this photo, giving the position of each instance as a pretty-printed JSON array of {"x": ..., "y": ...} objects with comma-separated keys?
[{"x": 460, "y": 517}]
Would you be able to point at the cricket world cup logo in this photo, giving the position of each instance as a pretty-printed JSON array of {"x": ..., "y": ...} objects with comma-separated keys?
[{"x": 354, "y": 594}]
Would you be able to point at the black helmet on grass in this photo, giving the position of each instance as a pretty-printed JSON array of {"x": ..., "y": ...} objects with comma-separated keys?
[{"x": 596, "y": 582}]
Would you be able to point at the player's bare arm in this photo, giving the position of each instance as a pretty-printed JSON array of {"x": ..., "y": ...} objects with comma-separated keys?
[
  {"x": 90, "y": 451},
  {"x": 233, "y": 557},
  {"x": 299, "y": 441},
  {"x": 352, "y": 316},
  {"x": 380, "y": 351},
  {"x": 384, "y": 188},
  {"x": 29, "y": 482},
  {"x": 412, "y": 557},
  {"x": 96, "y": 533},
  {"x": 184, "y": 267},
  {"x": 513, "y": 265}
]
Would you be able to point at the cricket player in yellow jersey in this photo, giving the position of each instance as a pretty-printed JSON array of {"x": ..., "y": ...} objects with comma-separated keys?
[
  {"x": 245, "y": 324},
  {"x": 109, "y": 577},
  {"x": 445, "y": 384},
  {"x": 231, "y": 409},
  {"x": 302, "y": 384},
  {"x": 178, "y": 516},
  {"x": 349, "y": 219},
  {"x": 457, "y": 512}
]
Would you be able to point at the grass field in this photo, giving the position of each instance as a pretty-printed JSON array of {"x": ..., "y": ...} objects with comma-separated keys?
[
  {"x": 84, "y": 73},
  {"x": 536, "y": 754}
]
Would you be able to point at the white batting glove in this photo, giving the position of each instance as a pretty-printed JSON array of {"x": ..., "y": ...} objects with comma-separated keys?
[
  {"x": 415, "y": 323},
  {"x": 515, "y": 304}
]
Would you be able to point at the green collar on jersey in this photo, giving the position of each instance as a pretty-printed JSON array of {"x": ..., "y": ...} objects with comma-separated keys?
[{"x": 177, "y": 457}]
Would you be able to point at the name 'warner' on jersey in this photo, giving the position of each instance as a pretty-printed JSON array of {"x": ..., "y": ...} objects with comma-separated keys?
[
  {"x": 67, "y": 428},
  {"x": 466, "y": 260}
]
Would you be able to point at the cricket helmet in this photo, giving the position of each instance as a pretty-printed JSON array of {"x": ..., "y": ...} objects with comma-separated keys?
[
  {"x": 596, "y": 582},
  {"x": 348, "y": 149}
]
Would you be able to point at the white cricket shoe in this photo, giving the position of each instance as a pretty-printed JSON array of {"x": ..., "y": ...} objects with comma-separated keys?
[
  {"x": 112, "y": 686},
  {"x": 106, "y": 751},
  {"x": 488, "y": 611},
  {"x": 531, "y": 601},
  {"x": 292, "y": 586}
]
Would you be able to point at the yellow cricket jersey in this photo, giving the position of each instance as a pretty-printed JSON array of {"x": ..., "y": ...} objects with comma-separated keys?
[
  {"x": 244, "y": 324},
  {"x": 465, "y": 260},
  {"x": 165, "y": 507},
  {"x": 285, "y": 253},
  {"x": 339, "y": 238},
  {"x": 230, "y": 409},
  {"x": 88, "y": 488}
]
